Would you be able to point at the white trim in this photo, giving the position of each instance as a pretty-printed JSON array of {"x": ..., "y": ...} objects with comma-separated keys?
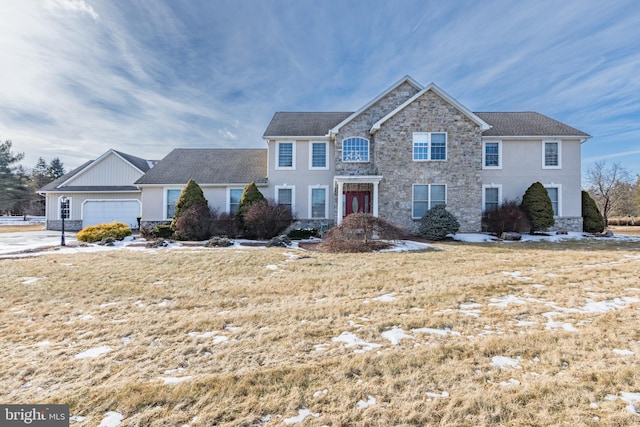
[
  {"x": 432, "y": 87},
  {"x": 228, "y": 201},
  {"x": 165, "y": 199},
  {"x": 355, "y": 161},
  {"x": 544, "y": 143},
  {"x": 108, "y": 200},
  {"x": 484, "y": 194},
  {"x": 288, "y": 138},
  {"x": 428, "y": 196},
  {"x": 405, "y": 79},
  {"x": 293, "y": 156},
  {"x": 582, "y": 138},
  {"x": 326, "y": 156},
  {"x": 559, "y": 187},
  {"x": 484, "y": 143},
  {"x": 95, "y": 162},
  {"x": 340, "y": 180},
  {"x": 59, "y": 208},
  {"x": 326, "y": 201},
  {"x": 429, "y": 147},
  {"x": 293, "y": 194}
]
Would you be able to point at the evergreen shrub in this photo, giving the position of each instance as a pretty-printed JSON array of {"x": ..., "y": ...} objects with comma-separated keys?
[
  {"x": 592, "y": 220},
  {"x": 437, "y": 223},
  {"x": 191, "y": 195},
  {"x": 537, "y": 204},
  {"x": 95, "y": 233},
  {"x": 195, "y": 223},
  {"x": 162, "y": 231},
  {"x": 303, "y": 233}
]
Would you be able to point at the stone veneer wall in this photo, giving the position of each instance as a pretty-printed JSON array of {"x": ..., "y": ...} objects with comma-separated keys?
[
  {"x": 567, "y": 223},
  {"x": 69, "y": 224},
  {"x": 461, "y": 172}
]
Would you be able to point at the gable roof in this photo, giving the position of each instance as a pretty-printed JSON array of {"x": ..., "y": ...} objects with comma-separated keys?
[
  {"x": 432, "y": 87},
  {"x": 209, "y": 166},
  {"x": 405, "y": 79},
  {"x": 303, "y": 124},
  {"x": 527, "y": 123},
  {"x": 53, "y": 185},
  {"x": 140, "y": 163}
]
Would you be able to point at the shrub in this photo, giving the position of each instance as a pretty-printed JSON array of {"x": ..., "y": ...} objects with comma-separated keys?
[
  {"x": 509, "y": 217},
  {"x": 360, "y": 232},
  {"x": 250, "y": 195},
  {"x": 95, "y": 233},
  {"x": 437, "y": 223},
  {"x": 195, "y": 223},
  {"x": 162, "y": 231},
  {"x": 592, "y": 220},
  {"x": 219, "y": 242},
  {"x": 226, "y": 224},
  {"x": 537, "y": 205},
  {"x": 303, "y": 233},
  {"x": 279, "y": 241},
  {"x": 191, "y": 196},
  {"x": 264, "y": 220}
]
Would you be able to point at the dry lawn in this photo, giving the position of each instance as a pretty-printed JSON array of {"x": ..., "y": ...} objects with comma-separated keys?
[
  {"x": 255, "y": 336},
  {"x": 16, "y": 228}
]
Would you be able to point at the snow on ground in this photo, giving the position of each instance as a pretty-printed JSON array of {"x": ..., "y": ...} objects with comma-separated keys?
[
  {"x": 351, "y": 340},
  {"x": 111, "y": 419},
  {"x": 302, "y": 415},
  {"x": 365, "y": 404},
  {"x": 175, "y": 380},
  {"x": 504, "y": 362},
  {"x": 93, "y": 352},
  {"x": 22, "y": 220},
  {"x": 394, "y": 335}
]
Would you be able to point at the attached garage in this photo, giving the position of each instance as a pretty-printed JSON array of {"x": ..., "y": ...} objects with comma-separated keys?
[{"x": 107, "y": 211}]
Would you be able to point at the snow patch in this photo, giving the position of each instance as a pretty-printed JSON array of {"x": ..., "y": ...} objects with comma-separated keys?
[
  {"x": 432, "y": 331},
  {"x": 175, "y": 380},
  {"x": 370, "y": 402},
  {"x": 111, "y": 419},
  {"x": 620, "y": 352},
  {"x": 394, "y": 335},
  {"x": 442, "y": 395},
  {"x": 93, "y": 352},
  {"x": 385, "y": 298},
  {"x": 506, "y": 362},
  {"x": 351, "y": 340},
  {"x": 302, "y": 415}
]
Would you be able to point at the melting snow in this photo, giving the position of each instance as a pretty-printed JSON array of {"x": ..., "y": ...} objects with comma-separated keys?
[
  {"x": 111, "y": 419},
  {"x": 442, "y": 395},
  {"x": 272, "y": 267},
  {"x": 175, "y": 380},
  {"x": 320, "y": 393},
  {"x": 630, "y": 398},
  {"x": 505, "y": 362},
  {"x": 93, "y": 352},
  {"x": 351, "y": 340},
  {"x": 442, "y": 332},
  {"x": 302, "y": 415},
  {"x": 395, "y": 335},
  {"x": 370, "y": 402},
  {"x": 623, "y": 352},
  {"x": 551, "y": 324},
  {"x": 29, "y": 280},
  {"x": 385, "y": 298}
]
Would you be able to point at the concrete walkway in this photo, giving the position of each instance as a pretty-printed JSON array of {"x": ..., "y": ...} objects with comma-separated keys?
[{"x": 28, "y": 240}]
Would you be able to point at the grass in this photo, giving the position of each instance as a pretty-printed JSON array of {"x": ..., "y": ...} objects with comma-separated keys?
[
  {"x": 163, "y": 313},
  {"x": 16, "y": 228}
]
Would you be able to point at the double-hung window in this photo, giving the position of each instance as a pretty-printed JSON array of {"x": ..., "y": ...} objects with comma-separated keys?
[
  {"x": 355, "y": 150},
  {"x": 235, "y": 194},
  {"x": 551, "y": 155},
  {"x": 318, "y": 202},
  {"x": 429, "y": 146},
  {"x": 65, "y": 208},
  {"x": 427, "y": 196},
  {"x": 491, "y": 197},
  {"x": 284, "y": 197},
  {"x": 172, "y": 199},
  {"x": 285, "y": 155},
  {"x": 492, "y": 155},
  {"x": 318, "y": 155},
  {"x": 554, "y": 194}
]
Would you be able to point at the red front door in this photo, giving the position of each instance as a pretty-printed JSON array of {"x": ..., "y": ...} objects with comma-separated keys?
[{"x": 357, "y": 201}]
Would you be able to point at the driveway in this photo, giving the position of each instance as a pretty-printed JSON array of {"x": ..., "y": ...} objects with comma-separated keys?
[{"x": 28, "y": 240}]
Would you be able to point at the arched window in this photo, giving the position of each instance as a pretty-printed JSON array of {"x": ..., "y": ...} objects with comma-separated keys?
[{"x": 355, "y": 149}]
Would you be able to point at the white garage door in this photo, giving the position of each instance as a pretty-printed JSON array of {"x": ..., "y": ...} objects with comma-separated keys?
[{"x": 107, "y": 211}]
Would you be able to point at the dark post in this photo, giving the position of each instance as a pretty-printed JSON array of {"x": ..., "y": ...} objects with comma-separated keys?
[{"x": 63, "y": 214}]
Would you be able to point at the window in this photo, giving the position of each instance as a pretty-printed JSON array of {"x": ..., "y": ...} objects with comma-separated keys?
[
  {"x": 355, "y": 150},
  {"x": 554, "y": 195},
  {"x": 491, "y": 197},
  {"x": 235, "y": 194},
  {"x": 284, "y": 197},
  {"x": 429, "y": 146},
  {"x": 551, "y": 155},
  {"x": 318, "y": 155},
  {"x": 427, "y": 196},
  {"x": 172, "y": 198},
  {"x": 285, "y": 155},
  {"x": 65, "y": 208},
  {"x": 492, "y": 155},
  {"x": 318, "y": 202}
]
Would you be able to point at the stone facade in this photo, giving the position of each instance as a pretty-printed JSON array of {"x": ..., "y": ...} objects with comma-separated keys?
[
  {"x": 567, "y": 223},
  {"x": 69, "y": 225}
]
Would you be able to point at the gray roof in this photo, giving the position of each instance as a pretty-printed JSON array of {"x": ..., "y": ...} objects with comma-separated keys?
[
  {"x": 303, "y": 124},
  {"x": 209, "y": 166},
  {"x": 526, "y": 123},
  {"x": 53, "y": 185},
  {"x": 141, "y": 164}
]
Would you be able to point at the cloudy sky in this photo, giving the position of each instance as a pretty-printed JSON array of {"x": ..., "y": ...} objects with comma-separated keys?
[{"x": 78, "y": 77}]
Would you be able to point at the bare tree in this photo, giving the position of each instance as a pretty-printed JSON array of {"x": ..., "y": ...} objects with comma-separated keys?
[{"x": 606, "y": 183}]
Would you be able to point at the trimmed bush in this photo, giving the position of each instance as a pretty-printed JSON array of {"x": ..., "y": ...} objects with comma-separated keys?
[
  {"x": 303, "y": 233},
  {"x": 509, "y": 217},
  {"x": 226, "y": 224},
  {"x": 360, "y": 232},
  {"x": 195, "y": 223},
  {"x": 592, "y": 220},
  {"x": 537, "y": 204},
  {"x": 95, "y": 233},
  {"x": 437, "y": 223},
  {"x": 191, "y": 195},
  {"x": 263, "y": 220},
  {"x": 162, "y": 231},
  {"x": 250, "y": 195}
]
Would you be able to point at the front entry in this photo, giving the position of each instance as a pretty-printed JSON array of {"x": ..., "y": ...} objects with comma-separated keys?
[{"x": 357, "y": 201}]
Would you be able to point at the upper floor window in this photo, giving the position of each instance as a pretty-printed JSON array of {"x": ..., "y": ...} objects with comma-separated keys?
[
  {"x": 235, "y": 194},
  {"x": 355, "y": 149},
  {"x": 318, "y": 155},
  {"x": 285, "y": 155},
  {"x": 172, "y": 199},
  {"x": 492, "y": 155},
  {"x": 551, "y": 154},
  {"x": 429, "y": 146},
  {"x": 427, "y": 196}
]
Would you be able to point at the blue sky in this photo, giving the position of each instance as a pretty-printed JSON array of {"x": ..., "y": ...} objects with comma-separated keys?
[{"x": 145, "y": 76}]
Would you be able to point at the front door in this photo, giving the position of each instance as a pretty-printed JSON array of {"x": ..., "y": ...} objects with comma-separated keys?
[{"x": 357, "y": 201}]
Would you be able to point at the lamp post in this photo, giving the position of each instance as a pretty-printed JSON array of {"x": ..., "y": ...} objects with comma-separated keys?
[{"x": 63, "y": 214}]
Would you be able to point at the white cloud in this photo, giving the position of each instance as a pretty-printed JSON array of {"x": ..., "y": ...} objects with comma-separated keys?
[{"x": 73, "y": 5}]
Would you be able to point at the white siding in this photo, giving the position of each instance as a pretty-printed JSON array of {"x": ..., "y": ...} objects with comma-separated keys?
[{"x": 110, "y": 170}]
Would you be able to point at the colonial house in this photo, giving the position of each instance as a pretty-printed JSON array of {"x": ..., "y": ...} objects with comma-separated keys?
[{"x": 407, "y": 150}]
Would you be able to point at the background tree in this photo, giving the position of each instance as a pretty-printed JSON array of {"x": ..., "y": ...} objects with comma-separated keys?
[
  {"x": 55, "y": 169},
  {"x": 605, "y": 185},
  {"x": 11, "y": 185},
  {"x": 592, "y": 221},
  {"x": 191, "y": 195},
  {"x": 537, "y": 205}
]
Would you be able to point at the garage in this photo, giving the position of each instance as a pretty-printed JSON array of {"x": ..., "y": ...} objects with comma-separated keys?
[{"x": 107, "y": 211}]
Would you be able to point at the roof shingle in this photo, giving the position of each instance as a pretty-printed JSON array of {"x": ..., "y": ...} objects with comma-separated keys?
[
  {"x": 526, "y": 123},
  {"x": 303, "y": 124}
]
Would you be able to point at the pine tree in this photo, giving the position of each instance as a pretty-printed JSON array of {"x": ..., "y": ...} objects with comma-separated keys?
[
  {"x": 191, "y": 195},
  {"x": 10, "y": 183},
  {"x": 537, "y": 205},
  {"x": 55, "y": 169},
  {"x": 592, "y": 220},
  {"x": 40, "y": 174},
  {"x": 250, "y": 195}
]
